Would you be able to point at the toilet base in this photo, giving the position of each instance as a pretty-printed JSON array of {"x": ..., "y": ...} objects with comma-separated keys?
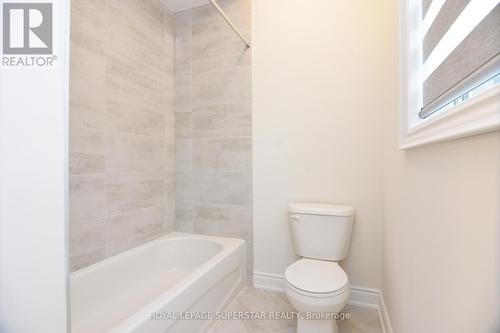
[{"x": 317, "y": 326}]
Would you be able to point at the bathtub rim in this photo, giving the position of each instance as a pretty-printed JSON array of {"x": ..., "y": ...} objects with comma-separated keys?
[
  {"x": 169, "y": 236},
  {"x": 228, "y": 247}
]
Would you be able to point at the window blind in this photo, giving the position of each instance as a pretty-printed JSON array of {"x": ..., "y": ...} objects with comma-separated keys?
[{"x": 460, "y": 49}]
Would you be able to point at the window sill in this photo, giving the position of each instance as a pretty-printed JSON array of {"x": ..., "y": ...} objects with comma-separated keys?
[{"x": 478, "y": 115}]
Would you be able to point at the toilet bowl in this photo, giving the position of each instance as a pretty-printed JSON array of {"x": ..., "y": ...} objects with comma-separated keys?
[
  {"x": 318, "y": 290},
  {"x": 316, "y": 285}
]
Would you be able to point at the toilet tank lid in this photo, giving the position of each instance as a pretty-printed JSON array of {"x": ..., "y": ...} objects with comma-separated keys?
[{"x": 321, "y": 209}]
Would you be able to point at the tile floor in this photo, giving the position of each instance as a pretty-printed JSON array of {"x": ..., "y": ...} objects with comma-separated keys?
[{"x": 254, "y": 300}]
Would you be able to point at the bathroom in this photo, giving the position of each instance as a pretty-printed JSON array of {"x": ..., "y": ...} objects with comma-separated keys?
[{"x": 238, "y": 165}]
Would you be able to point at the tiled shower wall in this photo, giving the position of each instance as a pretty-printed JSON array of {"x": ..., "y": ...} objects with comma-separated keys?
[
  {"x": 122, "y": 129},
  {"x": 213, "y": 123}
]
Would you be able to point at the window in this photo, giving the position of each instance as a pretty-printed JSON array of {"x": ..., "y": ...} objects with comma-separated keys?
[{"x": 451, "y": 69}]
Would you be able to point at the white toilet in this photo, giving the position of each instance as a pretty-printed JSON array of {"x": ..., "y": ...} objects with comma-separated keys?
[{"x": 316, "y": 285}]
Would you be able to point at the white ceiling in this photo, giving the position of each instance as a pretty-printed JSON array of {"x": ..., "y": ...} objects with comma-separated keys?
[{"x": 179, "y": 5}]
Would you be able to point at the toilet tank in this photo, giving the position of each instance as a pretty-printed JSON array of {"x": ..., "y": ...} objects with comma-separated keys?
[{"x": 321, "y": 231}]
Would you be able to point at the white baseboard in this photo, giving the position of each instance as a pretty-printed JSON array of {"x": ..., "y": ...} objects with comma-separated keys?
[
  {"x": 269, "y": 281},
  {"x": 360, "y": 296},
  {"x": 384, "y": 315},
  {"x": 364, "y": 297}
]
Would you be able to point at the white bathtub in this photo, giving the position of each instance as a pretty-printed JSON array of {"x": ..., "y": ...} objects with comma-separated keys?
[{"x": 176, "y": 273}]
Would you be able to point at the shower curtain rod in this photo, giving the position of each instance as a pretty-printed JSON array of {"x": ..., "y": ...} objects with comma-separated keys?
[{"x": 221, "y": 12}]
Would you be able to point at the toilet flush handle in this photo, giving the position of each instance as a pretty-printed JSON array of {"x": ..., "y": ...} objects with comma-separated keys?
[{"x": 294, "y": 217}]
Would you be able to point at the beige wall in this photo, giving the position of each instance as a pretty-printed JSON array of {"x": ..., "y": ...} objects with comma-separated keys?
[
  {"x": 442, "y": 224},
  {"x": 213, "y": 123},
  {"x": 121, "y": 184},
  {"x": 325, "y": 123},
  {"x": 317, "y": 124}
]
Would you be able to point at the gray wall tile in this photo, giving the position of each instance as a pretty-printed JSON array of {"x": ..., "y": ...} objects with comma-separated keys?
[
  {"x": 169, "y": 218},
  {"x": 130, "y": 79},
  {"x": 184, "y": 188},
  {"x": 87, "y": 243},
  {"x": 86, "y": 149},
  {"x": 183, "y": 91},
  {"x": 170, "y": 187},
  {"x": 169, "y": 154},
  {"x": 87, "y": 198},
  {"x": 132, "y": 229},
  {"x": 122, "y": 126},
  {"x": 183, "y": 155},
  {"x": 170, "y": 139},
  {"x": 250, "y": 260},
  {"x": 183, "y": 40},
  {"x": 214, "y": 123},
  {"x": 126, "y": 153},
  {"x": 222, "y": 121},
  {"x": 184, "y": 217},
  {"x": 230, "y": 188},
  {"x": 221, "y": 87},
  {"x": 224, "y": 221},
  {"x": 135, "y": 40},
  {"x": 125, "y": 193},
  {"x": 183, "y": 125},
  {"x": 121, "y": 117},
  {"x": 89, "y": 17},
  {"x": 140, "y": 92},
  {"x": 88, "y": 82},
  {"x": 229, "y": 154}
]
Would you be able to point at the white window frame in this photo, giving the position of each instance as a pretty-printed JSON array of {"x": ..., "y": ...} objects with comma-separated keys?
[{"x": 480, "y": 114}]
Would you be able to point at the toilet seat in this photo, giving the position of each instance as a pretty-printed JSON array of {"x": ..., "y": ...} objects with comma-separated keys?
[
  {"x": 291, "y": 288},
  {"x": 316, "y": 278}
]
